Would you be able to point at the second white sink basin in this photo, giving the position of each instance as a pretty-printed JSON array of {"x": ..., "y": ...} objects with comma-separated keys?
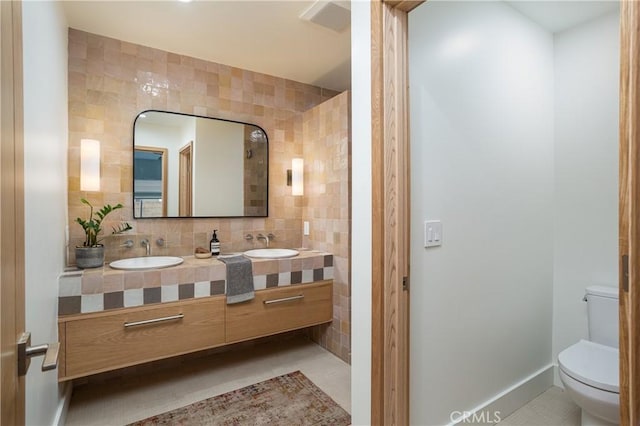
[
  {"x": 148, "y": 262},
  {"x": 271, "y": 253}
]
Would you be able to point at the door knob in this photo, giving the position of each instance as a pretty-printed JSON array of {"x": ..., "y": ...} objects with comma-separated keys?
[{"x": 26, "y": 351}]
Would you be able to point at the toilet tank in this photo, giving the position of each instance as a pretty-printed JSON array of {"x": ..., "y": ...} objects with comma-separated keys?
[{"x": 602, "y": 314}]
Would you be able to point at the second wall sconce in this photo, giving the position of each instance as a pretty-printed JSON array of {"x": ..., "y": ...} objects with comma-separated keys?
[{"x": 295, "y": 176}]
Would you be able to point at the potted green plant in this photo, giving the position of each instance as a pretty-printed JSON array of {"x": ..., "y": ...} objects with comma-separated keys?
[{"x": 91, "y": 253}]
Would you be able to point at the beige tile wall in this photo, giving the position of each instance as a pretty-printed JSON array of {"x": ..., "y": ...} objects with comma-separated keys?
[
  {"x": 327, "y": 207},
  {"x": 111, "y": 81}
]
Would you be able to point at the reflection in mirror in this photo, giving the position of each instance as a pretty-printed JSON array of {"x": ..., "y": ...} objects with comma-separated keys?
[
  {"x": 150, "y": 183},
  {"x": 191, "y": 166}
]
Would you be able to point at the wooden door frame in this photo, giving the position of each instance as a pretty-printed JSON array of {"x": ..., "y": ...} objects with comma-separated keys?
[
  {"x": 629, "y": 211},
  {"x": 390, "y": 212},
  {"x": 185, "y": 180},
  {"x": 12, "y": 275}
]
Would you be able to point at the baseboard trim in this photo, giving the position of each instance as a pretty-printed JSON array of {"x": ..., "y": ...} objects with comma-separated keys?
[
  {"x": 556, "y": 377},
  {"x": 63, "y": 404},
  {"x": 506, "y": 402}
]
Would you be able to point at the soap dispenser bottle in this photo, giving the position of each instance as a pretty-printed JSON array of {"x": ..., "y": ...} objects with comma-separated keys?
[{"x": 215, "y": 244}]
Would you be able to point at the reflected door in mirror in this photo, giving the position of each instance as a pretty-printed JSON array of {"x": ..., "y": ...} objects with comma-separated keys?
[{"x": 185, "y": 183}]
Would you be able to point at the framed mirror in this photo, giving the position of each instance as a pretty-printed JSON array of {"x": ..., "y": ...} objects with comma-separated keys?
[{"x": 193, "y": 166}]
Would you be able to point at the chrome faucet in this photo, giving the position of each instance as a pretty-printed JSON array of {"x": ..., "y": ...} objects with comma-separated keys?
[
  {"x": 262, "y": 237},
  {"x": 146, "y": 244}
]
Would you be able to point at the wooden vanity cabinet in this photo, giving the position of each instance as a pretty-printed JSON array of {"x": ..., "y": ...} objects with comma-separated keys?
[
  {"x": 108, "y": 340},
  {"x": 280, "y": 309}
]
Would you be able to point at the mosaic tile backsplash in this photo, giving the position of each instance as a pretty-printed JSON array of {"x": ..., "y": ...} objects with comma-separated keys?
[{"x": 102, "y": 289}]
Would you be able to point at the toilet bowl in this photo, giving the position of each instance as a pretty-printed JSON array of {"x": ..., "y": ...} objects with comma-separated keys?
[
  {"x": 589, "y": 372},
  {"x": 589, "y": 369}
]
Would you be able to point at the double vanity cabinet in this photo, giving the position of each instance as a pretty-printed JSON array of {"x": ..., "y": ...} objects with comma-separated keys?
[{"x": 290, "y": 294}]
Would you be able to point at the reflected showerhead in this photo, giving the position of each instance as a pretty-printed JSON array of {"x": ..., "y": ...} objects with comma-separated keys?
[{"x": 257, "y": 136}]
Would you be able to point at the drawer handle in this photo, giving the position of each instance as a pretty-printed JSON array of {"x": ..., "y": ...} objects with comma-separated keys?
[
  {"x": 284, "y": 299},
  {"x": 153, "y": 321}
]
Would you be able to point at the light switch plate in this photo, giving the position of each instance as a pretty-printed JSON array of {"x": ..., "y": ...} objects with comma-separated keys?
[
  {"x": 432, "y": 233},
  {"x": 306, "y": 228}
]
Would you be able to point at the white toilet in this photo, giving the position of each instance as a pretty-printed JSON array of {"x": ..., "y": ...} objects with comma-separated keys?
[{"x": 589, "y": 369}]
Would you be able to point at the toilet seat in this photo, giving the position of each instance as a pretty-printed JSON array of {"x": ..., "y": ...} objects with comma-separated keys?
[{"x": 593, "y": 364}]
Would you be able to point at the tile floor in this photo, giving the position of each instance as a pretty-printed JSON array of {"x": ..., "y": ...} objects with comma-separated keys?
[
  {"x": 123, "y": 400},
  {"x": 551, "y": 408}
]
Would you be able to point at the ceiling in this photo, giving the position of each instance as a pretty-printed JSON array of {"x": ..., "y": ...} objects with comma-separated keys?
[
  {"x": 257, "y": 35},
  {"x": 268, "y": 36},
  {"x": 556, "y": 16}
]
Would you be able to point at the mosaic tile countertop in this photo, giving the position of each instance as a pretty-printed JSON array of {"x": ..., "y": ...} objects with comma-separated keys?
[{"x": 101, "y": 289}]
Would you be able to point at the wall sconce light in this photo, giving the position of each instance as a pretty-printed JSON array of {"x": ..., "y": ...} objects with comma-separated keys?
[
  {"x": 89, "y": 165},
  {"x": 295, "y": 176}
]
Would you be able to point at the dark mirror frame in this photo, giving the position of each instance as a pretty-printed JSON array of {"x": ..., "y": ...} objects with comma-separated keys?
[{"x": 133, "y": 153}]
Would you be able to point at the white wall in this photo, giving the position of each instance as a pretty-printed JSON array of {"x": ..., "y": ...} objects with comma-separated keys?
[
  {"x": 586, "y": 171},
  {"x": 45, "y": 140},
  {"x": 482, "y": 161},
  {"x": 361, "y": 209},
  {"x": 218, "y": 172}
]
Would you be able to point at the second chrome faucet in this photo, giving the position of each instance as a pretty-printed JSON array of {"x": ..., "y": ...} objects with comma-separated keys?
[{"x": 267, "y": 239}]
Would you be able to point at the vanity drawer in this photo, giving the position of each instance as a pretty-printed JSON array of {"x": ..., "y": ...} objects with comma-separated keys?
[
  {"x": 280, "y": 309},
  {"x": 112, "y": 340}
]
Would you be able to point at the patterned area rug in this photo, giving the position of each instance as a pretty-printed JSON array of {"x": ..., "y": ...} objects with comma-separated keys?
[{"x": 291, "y": 399}]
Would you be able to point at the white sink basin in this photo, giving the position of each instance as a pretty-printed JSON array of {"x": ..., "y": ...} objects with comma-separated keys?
[
  {"x": 148, "y": 262},
  {"x": 271, "y": 253}
]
